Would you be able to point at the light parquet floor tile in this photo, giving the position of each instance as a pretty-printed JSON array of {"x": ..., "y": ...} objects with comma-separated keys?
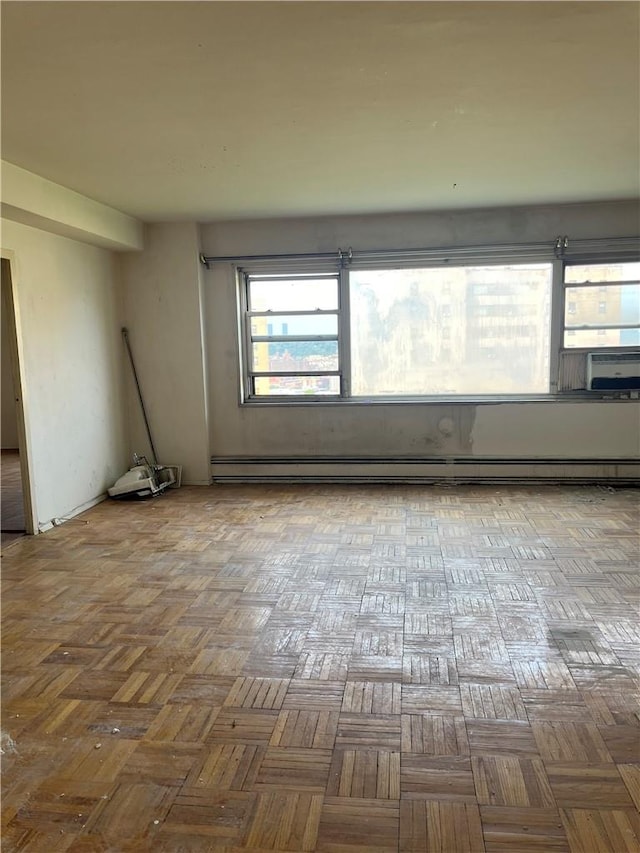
[
  {"x": 437, "y": 778},
  {"x": 567, "y": 741},
  {"x": 440, "y": 827},
  {"x": 288, "y": 767},
  {"x": 258, "y": 693},
  {"x": 509, "y": 829},
  {"x": 429, "y": 734},
  {"x": 499, "y": 737},
  {"x": 362, "y": 697},
  {"x": 285, "y": 821},
  {"x": 369, "y": 774},
  {"x": 311, "y": 729},
  {"x": 602, "y": 830},
  {"x": 588, "y": 786},
  {"x": 358, "y": 826},
  {"x": 503, "y": 780}
]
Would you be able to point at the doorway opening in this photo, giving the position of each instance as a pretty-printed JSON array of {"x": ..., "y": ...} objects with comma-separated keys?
[{"x": 15, "y": 491}]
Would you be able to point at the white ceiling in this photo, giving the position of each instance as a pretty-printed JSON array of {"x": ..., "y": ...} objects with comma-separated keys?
[{"x": 220, "y": 110}]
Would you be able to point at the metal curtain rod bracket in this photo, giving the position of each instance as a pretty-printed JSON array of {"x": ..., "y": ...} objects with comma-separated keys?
[
  {"x": 345, "y": 257},
  {"x": 561, "y": 246}
]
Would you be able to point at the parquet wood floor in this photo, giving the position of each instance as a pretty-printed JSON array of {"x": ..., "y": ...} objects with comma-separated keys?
[{"x": 340, "y": 669}]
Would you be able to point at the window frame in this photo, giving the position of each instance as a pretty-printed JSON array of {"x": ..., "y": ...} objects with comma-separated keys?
[
  {"x": 559, "y": 255},
  {"x": 602, "y": 288},
  {"x": 250, "y": 374}
]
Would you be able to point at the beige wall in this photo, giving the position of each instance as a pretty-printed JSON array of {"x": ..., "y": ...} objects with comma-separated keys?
[
  {"x": 162, "y": 295},
  {"x": 69, "y": 313},
  {"x": 422, "y": 230}
]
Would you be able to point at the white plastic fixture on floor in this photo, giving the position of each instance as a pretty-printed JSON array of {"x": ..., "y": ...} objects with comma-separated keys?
[{"x": 145, "y": 480}]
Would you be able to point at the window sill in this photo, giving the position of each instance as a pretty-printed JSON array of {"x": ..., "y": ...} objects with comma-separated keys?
[{"x": 478, "y": 400}]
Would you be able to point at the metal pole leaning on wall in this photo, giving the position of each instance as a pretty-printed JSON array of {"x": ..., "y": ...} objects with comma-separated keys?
[{"x": 125, "y": 336}]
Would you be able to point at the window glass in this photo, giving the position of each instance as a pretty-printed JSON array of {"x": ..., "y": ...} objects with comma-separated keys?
[
  {"x": 268, "y": 386},
  {"x": 282, "y": 295},
  {"x": 582, "y": 273},
  {"x": 601, "y": 338},
  {"x": 621, "y": 305},
  {"x": 495, "y": 321},
  {"x": 290, "y": 356},
  {"x": 298, "y": 325}
]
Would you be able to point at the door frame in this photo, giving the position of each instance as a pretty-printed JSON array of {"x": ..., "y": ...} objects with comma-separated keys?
[{"x": 11, "y": 306}]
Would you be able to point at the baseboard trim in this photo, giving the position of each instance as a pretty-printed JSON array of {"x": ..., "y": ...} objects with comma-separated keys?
[
  {"x": 57, "y": 521},
  {"x": 410, "y": 470}
]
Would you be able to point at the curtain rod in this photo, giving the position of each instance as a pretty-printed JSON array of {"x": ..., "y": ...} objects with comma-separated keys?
[
  {"x": 560, "y": 246},
  {"x": 311, "y": 256}
]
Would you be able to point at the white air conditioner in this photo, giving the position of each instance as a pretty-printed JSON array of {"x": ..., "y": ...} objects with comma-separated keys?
[{"x": 613, "y": 371}]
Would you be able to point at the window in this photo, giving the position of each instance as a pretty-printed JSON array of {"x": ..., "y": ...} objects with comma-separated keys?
[
  {"x": 593, "y": 321},
  {"x": 292, "y": 335},
  {"x": 395, "y": 340},
  {"x": 423, "y": 324}
]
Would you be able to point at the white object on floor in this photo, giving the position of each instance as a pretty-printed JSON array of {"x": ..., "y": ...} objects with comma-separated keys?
[{"x": 146, "y": 480}]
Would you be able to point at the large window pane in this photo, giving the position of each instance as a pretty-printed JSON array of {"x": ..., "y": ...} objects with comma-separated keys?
[
  {"x": 288, "y": 356},
  {"x": 296, "y": 324},
  {"x": 293, "y": 295},
  {"x": 276, "y": 386},
  {"x": 451, "y": 330}
]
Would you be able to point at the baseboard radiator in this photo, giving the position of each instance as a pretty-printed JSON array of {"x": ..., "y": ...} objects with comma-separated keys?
[{"x": 350, "y": 469}]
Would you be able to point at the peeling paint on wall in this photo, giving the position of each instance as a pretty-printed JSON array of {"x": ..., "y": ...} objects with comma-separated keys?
[{"x": 455, "y": 428}]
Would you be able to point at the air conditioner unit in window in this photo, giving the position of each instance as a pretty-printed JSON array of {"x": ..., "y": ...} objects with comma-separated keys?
[{"x": 613, "y": 371}]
